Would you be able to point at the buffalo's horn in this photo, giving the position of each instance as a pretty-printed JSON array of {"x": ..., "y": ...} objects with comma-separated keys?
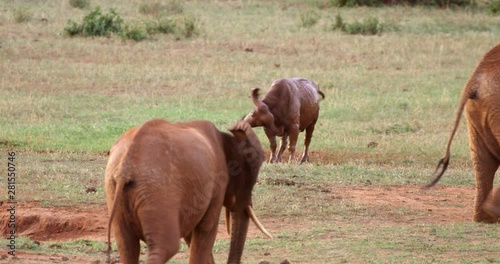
[
  {"x": 256, "y": 221},
  {"x": 255, "y": 98}
]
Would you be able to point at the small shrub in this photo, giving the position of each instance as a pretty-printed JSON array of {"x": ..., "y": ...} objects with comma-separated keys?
[
  {"x": 22, "y": 15},
  {"x": 494, "y": 6},
  {"x": 190, "y": 27},
  {"x": 369, "y": 26},
  {"x": 73, "y": 29},
  {"x": 79, "y": 3},
  {"x": 135, "y": 32},
  {"x": 339, "y": 23},
  {"x": 309, "y": 18},
  {"x": 166, "y": 25}
]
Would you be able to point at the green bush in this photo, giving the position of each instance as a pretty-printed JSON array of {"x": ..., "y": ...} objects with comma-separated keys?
[
  {"x": 96, "y": 24},
  {"x": 79, "y": 3},
  {"x": 494, "y": 6},
  {"x": 166, "y": 25},
  {"x": 135, "y": 32},
  {"x": 369, "y": 26}
]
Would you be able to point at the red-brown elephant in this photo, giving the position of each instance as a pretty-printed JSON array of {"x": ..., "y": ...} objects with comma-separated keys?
[
  {"x": 166, "y": 181},
  {"x": 481, "y": 100}
]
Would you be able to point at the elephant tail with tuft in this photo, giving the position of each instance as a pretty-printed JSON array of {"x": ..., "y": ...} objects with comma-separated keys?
[
  {"x": 469, "y": 92},
  {"x": 120, "y": 185}
]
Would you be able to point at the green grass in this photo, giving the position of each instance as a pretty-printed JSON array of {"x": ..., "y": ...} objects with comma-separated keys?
[{"x": 66, "y": 100}]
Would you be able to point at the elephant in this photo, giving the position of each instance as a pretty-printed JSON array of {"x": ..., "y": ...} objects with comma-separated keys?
[
  {"x": 480, "y": 99},
  {"x": 166, "y": 181}
]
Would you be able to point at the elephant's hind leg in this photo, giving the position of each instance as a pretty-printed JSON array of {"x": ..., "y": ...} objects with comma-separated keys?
[
  {"x": 162, "y": 235},
  {"x": 485, "y": 166},
  {"x": 128, "y": 242}
]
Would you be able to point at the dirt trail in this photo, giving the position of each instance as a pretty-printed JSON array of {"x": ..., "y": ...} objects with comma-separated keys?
[{"x": 440, "y": 204}]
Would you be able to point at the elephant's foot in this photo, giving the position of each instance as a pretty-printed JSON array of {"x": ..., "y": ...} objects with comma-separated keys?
[
  {"x": 491, "y": 205},
  {"x": 485, "y": 217},
  {"x": 491, "y": 209}
]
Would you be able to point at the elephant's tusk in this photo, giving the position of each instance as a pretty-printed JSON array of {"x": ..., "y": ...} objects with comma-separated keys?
[
  {"x": 228, "y": 221},
  {"x": 256, "y": 221}
]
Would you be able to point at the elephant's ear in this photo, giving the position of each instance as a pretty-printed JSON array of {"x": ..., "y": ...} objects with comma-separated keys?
[{"x": 248, "y": 143}]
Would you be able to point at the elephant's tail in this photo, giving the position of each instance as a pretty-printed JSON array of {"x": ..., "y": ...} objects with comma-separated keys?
[
  {"x": 469, "y": 92},
  {"x": 120, "y": 184}
]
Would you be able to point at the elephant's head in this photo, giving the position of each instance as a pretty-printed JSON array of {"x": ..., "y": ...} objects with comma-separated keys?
[
  {"x": 262, "y": 115},
  {"x": 244, "y": 156}
]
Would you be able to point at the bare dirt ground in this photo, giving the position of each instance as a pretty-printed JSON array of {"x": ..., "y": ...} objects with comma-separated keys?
[{"x": 440, "y": 204}]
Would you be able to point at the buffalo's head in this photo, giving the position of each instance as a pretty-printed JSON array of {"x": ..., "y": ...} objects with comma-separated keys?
[{"x": 261, "y": 115}]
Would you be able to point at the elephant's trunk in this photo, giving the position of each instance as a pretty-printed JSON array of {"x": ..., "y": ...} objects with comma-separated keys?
[{"x": 239, "y": 230}]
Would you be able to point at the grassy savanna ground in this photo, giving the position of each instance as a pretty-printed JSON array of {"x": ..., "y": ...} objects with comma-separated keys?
[{"x": 64, "y": 101}]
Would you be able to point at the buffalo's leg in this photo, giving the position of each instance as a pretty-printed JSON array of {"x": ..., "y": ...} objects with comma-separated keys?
[
  {"x": 293, "y": 133},
  {"x": 272, "y": 144},
  {"x": 485, "y": 166},
  {"x": 307, "y": 141},
  {"x": 284, "y": 142}
]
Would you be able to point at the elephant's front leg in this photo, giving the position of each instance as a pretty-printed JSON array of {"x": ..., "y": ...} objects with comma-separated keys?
[
  {"x": 188, "y": 242},
  {"x": 485, "y": 166},
  {"x": 272, "y": 144}
]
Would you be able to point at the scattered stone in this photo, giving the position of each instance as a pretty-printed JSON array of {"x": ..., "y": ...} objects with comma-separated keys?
[
  {"x": 264, "y": 262},
  {"x": 91, "y": 190},
  {"x": 372, "y": 144},
  {"x": 285, "y": 262},
  {"x": 248, "y": 49},
  {"x": 4, "y": 256},
  {"x": 65, "y": 258}
]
